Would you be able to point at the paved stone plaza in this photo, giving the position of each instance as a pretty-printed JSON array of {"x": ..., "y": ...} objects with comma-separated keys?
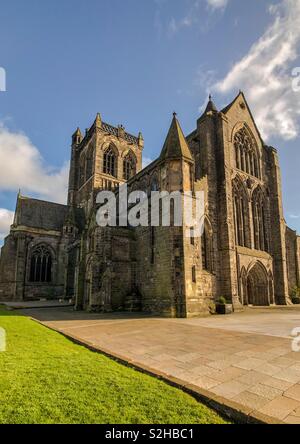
[{"x": 244, "y": 360}]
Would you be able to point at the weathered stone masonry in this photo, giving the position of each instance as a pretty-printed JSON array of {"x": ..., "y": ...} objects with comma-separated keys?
[{"x": 246, "y": 254}]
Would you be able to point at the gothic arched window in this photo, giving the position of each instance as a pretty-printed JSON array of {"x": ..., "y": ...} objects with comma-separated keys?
[
  {"x": 129, "y": 166},
  {"x": 154, "y": 185},
  {"x": 206, "y": 248},
  {"x": 246, "y": 154},
  {"x": 110, "y": 162},
  {"x": 241, "y": 215},
  {"x": 259, "y": 221},
  {"x": 40, "y": 265}
]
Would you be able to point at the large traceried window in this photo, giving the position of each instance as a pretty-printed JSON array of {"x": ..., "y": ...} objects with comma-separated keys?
[
  {"x": 110, "y": 162},
  {"x": 241, "y": 215},
  {"x": 40, "y": 265},
  {"x": 246, "y": 153},
  {"x": 240, "y": 222},
  {"x": 206, "y": 247},
  {"x": 259, "y": 220},
  {"x": 129, "y": 166},
  {"x": 154, "y": 184}
]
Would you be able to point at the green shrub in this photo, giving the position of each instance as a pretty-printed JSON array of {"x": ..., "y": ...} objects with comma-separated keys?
[
  {"x": 295, "y": 292},
  {"x": 222, "y": 301}
]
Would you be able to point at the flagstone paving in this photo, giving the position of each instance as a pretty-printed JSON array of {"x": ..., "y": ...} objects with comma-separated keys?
[{"x": 245, "y": 358}]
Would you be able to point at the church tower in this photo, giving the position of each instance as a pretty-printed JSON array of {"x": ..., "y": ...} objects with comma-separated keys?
[{"x": 104, "y": 158}]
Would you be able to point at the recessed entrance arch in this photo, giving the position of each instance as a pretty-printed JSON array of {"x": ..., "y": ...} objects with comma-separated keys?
[{"x": 258, "y": 286}]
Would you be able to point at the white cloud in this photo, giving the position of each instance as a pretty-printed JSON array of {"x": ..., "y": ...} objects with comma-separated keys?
[
  {"x": 22, "y": 166},
  {"x": 217, "y": 4},
  {"x": 294, "y": 216},
  {"x": 6, "y": 219},
  {"x": 265, "y": 74}
]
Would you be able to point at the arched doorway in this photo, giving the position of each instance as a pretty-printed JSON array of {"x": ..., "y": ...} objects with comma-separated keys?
[{"x": 258, "y": 286}]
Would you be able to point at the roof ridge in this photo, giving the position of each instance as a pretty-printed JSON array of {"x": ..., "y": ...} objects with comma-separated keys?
[{"x": 42, "y": 200}]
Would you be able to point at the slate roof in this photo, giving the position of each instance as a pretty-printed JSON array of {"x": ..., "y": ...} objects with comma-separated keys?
[
  {"x": 175, "y": 145},
  {"x": 45, "y": 215},
  {"x": 210, "y": 106}
]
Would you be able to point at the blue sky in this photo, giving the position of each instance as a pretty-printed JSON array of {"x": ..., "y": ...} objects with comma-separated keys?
[{"x": 135, "y": 62}]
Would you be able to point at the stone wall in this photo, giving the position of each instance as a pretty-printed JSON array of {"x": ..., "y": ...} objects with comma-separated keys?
[
  {"x": 278, "y": 229},
  {"x": 159, "y": 260},
  {"x": 292, "y": 256},
  {"x": 15, "y": 266},
  {"x": 7, "y": 269},
  {"x": 160, "y": 269},
  {"x": 123, "y": 266}
]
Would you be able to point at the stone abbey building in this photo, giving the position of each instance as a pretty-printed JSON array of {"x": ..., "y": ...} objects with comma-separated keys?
[{"x": 246, "y": 253}]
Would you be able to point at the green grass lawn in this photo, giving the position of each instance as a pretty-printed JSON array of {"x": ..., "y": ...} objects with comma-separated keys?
[{"x": 45, "y": 378}]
